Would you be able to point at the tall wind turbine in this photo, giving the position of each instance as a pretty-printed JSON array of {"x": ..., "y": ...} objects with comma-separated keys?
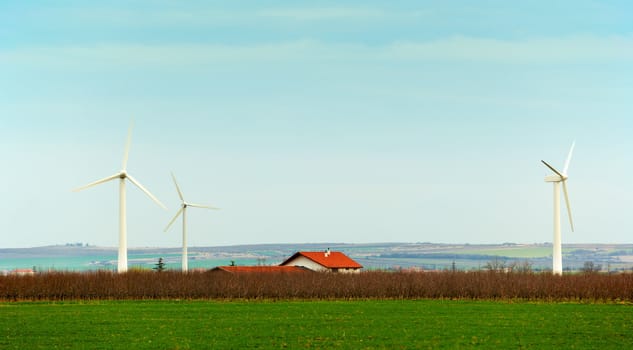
[
  {"x": 122, "y": 175},
  {"x": 557, "y": 178},
  {"x": 183, "y": 211}
]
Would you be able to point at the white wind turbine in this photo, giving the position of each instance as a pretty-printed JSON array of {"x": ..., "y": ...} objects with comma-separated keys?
[
  {"x": 122, "y": 175},
  {"x": 557, "y": 178},
  {"x": 183, "y": 210}
]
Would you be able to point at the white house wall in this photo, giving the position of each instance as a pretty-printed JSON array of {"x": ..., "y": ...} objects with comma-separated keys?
[
  {"x": 349, "y": 270},
  {"x": 307, "y": 263}
]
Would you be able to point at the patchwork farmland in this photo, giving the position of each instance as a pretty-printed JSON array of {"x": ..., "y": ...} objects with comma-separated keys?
[{"x": 376, "y": 256}]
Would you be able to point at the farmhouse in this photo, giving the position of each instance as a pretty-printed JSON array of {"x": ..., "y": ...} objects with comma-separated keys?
[{"x": 323, "y": 261}]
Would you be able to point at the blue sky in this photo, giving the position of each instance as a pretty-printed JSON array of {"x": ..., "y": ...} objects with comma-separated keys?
[{"x": 316, "y": 121}]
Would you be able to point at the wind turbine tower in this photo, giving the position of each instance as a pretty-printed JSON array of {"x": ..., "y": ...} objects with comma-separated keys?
[
  {"x": 122, "y": 176},
  {"x": 183, "y": 211},
  {"x": 557, "y": 179}
]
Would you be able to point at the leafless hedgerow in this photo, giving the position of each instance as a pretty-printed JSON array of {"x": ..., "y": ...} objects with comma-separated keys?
[{"x": 105, "y": 285}]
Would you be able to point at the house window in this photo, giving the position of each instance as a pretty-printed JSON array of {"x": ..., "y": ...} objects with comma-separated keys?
[{"x": 335, "y": 270}]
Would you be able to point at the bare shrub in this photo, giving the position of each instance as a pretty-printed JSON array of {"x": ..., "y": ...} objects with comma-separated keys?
[{"x": 525, "y": 285}]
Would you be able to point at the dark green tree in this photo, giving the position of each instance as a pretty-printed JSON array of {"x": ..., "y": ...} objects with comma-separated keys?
[{"x": 160, "y": 266}]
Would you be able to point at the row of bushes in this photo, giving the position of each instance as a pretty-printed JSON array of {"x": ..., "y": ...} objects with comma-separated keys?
[{"x": 104, "y": 285}]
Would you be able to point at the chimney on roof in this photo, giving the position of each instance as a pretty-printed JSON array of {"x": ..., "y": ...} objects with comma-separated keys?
[{"x": 327, "y": 252}]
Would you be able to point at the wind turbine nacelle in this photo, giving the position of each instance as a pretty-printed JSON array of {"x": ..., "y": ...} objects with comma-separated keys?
[{"x": 554, "y": 178}]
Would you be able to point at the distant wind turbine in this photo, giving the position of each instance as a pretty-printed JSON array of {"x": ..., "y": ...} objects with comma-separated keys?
[
  {"x": 183, "y": 210},
  {"x": 122, "y": 175},
  {"x": 557, "y": 178}
]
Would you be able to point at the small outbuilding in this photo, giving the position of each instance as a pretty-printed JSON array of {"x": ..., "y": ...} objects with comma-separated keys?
[
  {"x": 324, "y": 261},
  {"x": 22, "y": 272}
]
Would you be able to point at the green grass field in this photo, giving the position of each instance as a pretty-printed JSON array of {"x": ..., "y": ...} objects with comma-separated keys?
[{"x": 390, "y": 324}]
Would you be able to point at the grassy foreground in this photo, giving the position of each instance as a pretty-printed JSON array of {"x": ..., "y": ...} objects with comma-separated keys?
[{"x": 372, "y": 324}]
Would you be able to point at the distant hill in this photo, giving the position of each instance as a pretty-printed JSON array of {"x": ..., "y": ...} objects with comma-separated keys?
[{"x": 427, "y": 256}]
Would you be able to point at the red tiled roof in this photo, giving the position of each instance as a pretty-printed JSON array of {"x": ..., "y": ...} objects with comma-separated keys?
[
  {"x": 251, "y": 269},
  {"x": 333, "y": 260}
]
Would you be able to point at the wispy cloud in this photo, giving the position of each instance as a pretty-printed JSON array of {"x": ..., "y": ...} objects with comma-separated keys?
[
  {"x": 322, "y": 13},
  {"x": 456, "y": 49},
  {"x": 577, "y": 49},
  {"x": 117, "y": 17},
  {"x": 200, "y": 17}
]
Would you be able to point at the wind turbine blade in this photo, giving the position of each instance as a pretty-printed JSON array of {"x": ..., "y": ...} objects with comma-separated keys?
[
  {"x": 177, "y": 188},
  {"x": 201, "y": 206},
  {"x": 174, "y": 219},
  {"x": 571, "y": 150},
  {"x": 571, "y": 222},
  {"x": 146, "y": 191},
  {"x": 552, "y": 168},
  {"x": 127, "y": 146},
  {"x": 97, "y": 182}
]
